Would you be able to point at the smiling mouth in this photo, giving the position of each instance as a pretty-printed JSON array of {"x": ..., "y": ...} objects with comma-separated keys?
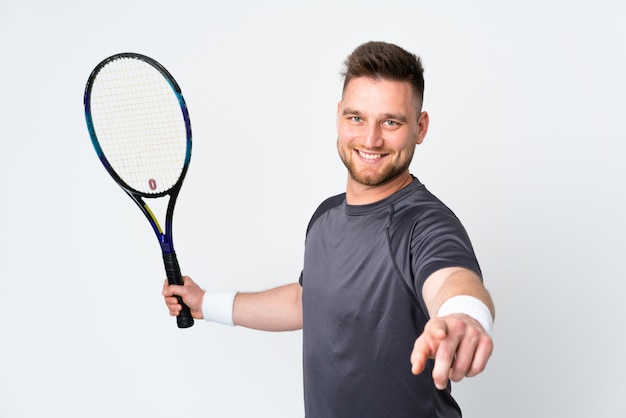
[{"x": 369, "y": 156}]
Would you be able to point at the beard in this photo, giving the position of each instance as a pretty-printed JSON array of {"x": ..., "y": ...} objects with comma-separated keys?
[{"x": 374, "y": 176}]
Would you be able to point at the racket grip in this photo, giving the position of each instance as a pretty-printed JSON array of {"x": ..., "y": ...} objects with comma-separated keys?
[{"x": 172, "y": 269}]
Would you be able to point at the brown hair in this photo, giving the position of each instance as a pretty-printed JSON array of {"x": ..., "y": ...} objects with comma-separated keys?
[{"x": 381, "y": 60}]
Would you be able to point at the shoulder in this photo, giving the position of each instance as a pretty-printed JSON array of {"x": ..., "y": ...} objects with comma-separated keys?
[
  {"x": 325, "y": 206},
  {"x": 422, "y": 222},
  {"x": 420, "y": 207},
  {"x": 330, "y": 203}
]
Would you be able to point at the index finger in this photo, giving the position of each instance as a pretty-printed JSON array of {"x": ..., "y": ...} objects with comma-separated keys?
[
  {"x": 166, "y": 289},
  {"x": 427, "y": 344}
]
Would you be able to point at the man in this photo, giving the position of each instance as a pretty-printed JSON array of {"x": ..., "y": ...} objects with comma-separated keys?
[{"x": 390, "y": 299}]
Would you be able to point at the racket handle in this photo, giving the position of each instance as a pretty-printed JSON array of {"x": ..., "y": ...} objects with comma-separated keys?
[{"x": 172, "y": 269}]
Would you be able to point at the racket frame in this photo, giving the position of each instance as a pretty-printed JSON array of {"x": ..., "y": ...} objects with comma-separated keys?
[{"x": 164, "y": 236}]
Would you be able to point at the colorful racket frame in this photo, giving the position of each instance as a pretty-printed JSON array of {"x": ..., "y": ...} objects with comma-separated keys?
[{"x": 164, "y": 236}]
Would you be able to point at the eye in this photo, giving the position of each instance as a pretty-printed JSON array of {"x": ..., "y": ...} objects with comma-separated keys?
[
  {"x": 356, "y": 119},
  {"x": 390, "y": 123}
]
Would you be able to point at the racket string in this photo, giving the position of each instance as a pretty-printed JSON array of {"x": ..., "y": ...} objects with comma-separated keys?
[{"x": 140, "y": 125}]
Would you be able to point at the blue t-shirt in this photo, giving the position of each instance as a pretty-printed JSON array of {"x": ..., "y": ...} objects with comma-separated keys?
[{"x": 364, "y": 268}]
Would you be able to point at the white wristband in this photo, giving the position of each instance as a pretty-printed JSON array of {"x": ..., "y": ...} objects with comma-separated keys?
[
  {"x": 218, "y": 307},
  {"x": 470, "y": 306}
]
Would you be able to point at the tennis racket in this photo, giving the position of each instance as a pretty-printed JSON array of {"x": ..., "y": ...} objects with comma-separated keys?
[{"x": 139, "y": 125}]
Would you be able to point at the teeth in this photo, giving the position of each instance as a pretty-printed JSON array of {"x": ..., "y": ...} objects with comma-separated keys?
[{"x": 369, "y": 156}]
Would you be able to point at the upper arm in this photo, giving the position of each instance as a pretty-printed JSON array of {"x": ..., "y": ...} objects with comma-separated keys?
[{"x": 439, "y": 247}]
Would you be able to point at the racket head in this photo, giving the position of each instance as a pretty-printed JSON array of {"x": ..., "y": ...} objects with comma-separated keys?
[{"x": 139, "y": 124}]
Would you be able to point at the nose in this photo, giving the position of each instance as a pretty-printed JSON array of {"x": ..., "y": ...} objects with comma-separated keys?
[{"x": 372, "y": 136}]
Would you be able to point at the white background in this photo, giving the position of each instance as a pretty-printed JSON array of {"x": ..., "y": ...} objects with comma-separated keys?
[{"x": 526, "y": 145}]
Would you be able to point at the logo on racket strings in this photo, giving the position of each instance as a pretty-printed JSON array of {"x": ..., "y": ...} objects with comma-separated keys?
[{"x": 152, "y": 184}]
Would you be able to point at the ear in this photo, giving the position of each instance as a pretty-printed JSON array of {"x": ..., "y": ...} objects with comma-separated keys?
[
  {"x": 338, "y": 114},
  {"x": 422, "y": 127}
]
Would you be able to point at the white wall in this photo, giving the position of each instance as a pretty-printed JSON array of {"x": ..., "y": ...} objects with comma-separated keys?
[{"x": 526, "y": 145}]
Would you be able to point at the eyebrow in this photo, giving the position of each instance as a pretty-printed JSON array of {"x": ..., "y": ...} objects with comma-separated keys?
[
  {"x": 400, "y": 118},
  {"x": 348, "y": 111}
]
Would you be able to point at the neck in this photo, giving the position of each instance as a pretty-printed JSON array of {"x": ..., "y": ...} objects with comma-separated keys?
[{"x": 360, "y": 194}]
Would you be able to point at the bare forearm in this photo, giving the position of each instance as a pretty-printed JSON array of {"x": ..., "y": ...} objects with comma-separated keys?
[
  {"x": 278, "y": 309},
  {"x": 457, "y": 336},
  {"x": 447, "y": 283}
]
